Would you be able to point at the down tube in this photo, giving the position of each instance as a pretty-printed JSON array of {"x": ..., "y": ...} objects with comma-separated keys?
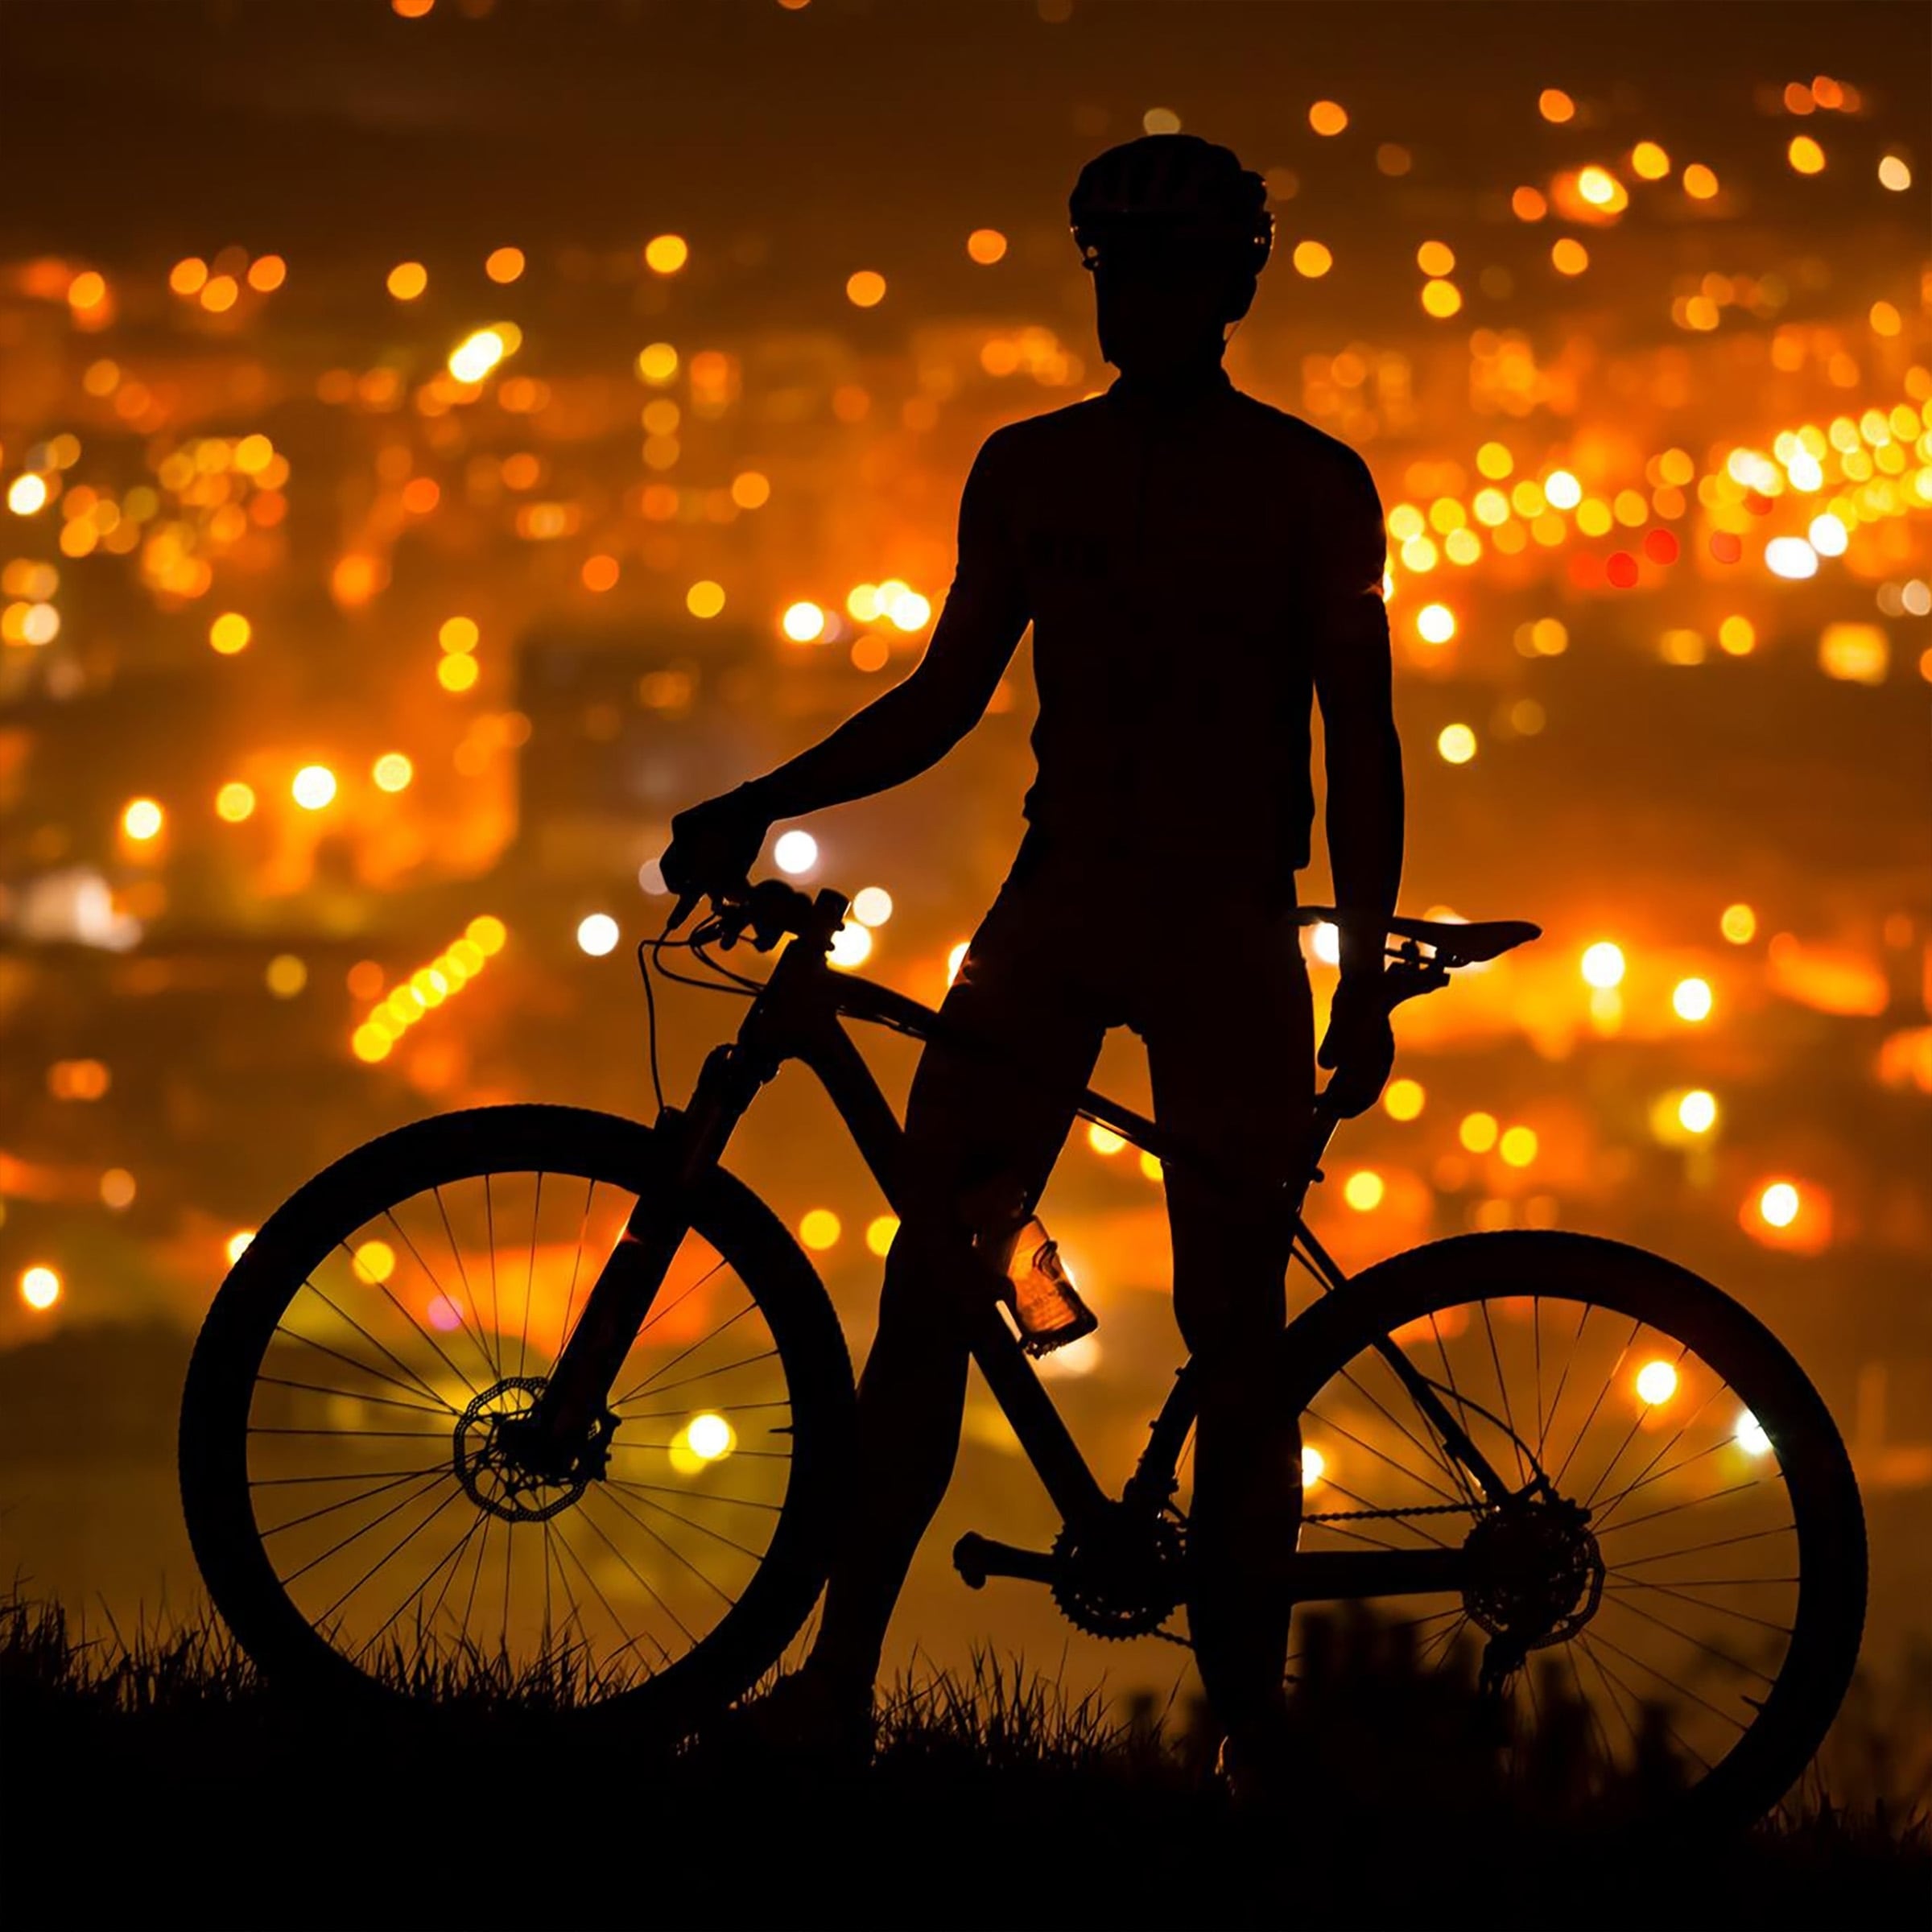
[{"x": 841, "y": 1068}]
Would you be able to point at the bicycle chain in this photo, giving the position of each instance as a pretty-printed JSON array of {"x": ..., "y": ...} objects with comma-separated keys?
[
  {"x": 1361, "y": 1516},
  {"x": 1350, "y": 1516}
]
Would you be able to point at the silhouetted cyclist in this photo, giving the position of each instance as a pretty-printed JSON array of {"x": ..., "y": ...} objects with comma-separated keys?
[{"x": 1196, "y": 565}]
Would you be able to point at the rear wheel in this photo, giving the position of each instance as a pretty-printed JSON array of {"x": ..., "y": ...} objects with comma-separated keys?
[
  {"x": 1665, "y": 1631},
  {"x": 348, "y": 1464}
]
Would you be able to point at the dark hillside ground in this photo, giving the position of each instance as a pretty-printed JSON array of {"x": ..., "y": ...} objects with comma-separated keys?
[{"x": 156, "y": 1782}]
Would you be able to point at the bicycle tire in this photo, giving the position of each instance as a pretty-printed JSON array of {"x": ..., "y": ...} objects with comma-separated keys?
[
  {"x": 221, "y": 1386},
  {"x": 1771, "y": 1755}
]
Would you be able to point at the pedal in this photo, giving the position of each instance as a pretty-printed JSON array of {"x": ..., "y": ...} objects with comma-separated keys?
[{"x": 976, "y": 1558}]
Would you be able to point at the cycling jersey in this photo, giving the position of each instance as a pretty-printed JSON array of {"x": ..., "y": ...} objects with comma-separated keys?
[{"x": 1190, "y": 557}]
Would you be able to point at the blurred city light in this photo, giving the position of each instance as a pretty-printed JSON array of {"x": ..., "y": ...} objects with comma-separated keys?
[
  {"x": 39, "y": 1288},
  {"x": 1657, "y": 1382},
  {"x": 796, "y": 851},
  {"x": 597, "y": 934}
]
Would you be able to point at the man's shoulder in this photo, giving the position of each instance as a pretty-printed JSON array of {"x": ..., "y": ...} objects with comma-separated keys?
[
  {"x": 1300, "y": 440},
  {"x": 1030, "y": 436}
]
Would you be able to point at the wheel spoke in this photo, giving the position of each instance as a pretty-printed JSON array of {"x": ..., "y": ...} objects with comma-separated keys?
[
  {"x": 684, "y": 1355},
  {"x": 456, "y": 1255}
]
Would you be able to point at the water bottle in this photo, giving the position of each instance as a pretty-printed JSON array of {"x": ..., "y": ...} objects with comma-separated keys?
[{"x": 1042, "y": 1295}]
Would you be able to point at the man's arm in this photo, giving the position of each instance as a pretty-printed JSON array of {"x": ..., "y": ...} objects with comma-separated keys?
[
  {"x": 915, "y": 724},
  {"x": 1363, "y": 756}
]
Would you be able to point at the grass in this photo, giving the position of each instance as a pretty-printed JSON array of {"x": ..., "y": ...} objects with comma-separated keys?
[{"x": 155, "y": 1779}]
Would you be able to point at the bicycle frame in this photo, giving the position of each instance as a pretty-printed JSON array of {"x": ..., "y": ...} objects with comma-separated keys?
[{"x": 796, "y": 1015}]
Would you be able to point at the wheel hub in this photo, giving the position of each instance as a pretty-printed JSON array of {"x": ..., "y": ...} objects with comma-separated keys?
[
  {"x": 502, "y": 1465},
  {"x": 1539, "y": 1574}
]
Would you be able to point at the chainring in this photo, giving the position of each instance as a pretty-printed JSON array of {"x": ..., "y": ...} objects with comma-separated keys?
[{"x": 1126, "y": 1582}]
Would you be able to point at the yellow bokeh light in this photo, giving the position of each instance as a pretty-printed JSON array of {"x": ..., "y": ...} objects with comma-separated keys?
[
  {"x": 1656, "y": 1382},
  {"x": 1600, "y": 187},
  {"x": 1435, "y": 258},
  {"x": 1495, "y": 462},
  {"x": 851, "y": 946},
  {"x": 39, "y": 1288},
  {"x": 1150, "y": 1165},
  {"x": 803, "y": 622},
  {"x": 955, "y": 960},
  {"x": 1552, "y": 103},
  {"x": 285, "y": 976},
  {"x": 1313, "y": 259},
  {"x": 750, "y": 490},
  {"x": 1569, "y": 256},
  {"x": 504, "y": 264},
  {"x": 1778, "y": 1203},
  {"x": 704, "y": 599},
  {"x": 819, "y": 1228},
  {"x": 1603, "y": 963},
  {"x": 1895, "y": 172},
  {"x": 879, "y": 1232},
  {"x": 458, "y": 635},
  {"x": 457, "y": 674},
  {"x": 1477, "y": 1132},
  {"x": 710, "y": 1437},
  {"x": 656, "y": 362},
  {"x": 369, "y": 1042},
  {"x": 1737, "y": 636},
  {"x": 1650, "y": 162},
  {"x": 1691, "y": 999},
  {"x": 230, "y": 633},
  {"x": 1328, "y": 117},
  {"x": 666, "y": 255},
  {"x": 986, "y": 245},
  {"x": 866, "y": 288},
  {"x": 1403, "y": 1100},
  {"x": 1104, "y": 1140},
  {"x": 487, "y": 933},
  {"x": 313, "y": 787},
  {"x": 1314, "y": 1466},
  {"x": 392, "y": 772},
  {"x": 1441, "y": 299},
  {"x": 1700, "y": 182},
  {"x": 1749, "y": 1435},
  {"x": 407, "y": 280},
  {"x": 1805, "y": 154},
  {"x": 1738, "y": 923},
  {"x": 1517, "y": 1146},
  {"x": 1456, "y": 744},
  {"x": 1435, "y": 623},
  {"x": 374, "y": 1261},
  {"x": 235, "y": 802},
  {"x": 238, "y": 1243},
  {"x": 1363, "y": 1190},
  {"x": 141, "y": 819}
]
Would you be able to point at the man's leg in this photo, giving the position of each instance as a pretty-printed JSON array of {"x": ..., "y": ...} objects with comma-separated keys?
[
  {"x": 970, "y": 1120},
  {"x": 1237, "y": 1079}
]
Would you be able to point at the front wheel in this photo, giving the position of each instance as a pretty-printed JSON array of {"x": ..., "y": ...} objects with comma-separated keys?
[
  {"x": 347, "y": 1469},
  {"x": 1661, "y": 1627}
]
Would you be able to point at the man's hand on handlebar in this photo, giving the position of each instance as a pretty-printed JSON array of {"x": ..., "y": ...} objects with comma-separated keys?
[
  {"x": 1358, "y": 1047},
  {"x": 713, "y": 846}
]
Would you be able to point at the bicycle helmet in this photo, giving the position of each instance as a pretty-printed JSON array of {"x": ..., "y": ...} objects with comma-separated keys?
[{"x": 1177, "y": 184}]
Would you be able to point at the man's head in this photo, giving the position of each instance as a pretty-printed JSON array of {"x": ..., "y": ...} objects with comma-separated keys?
[{"x": 1175, "y": 231}]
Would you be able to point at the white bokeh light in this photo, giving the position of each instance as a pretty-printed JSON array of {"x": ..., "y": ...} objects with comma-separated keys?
[
  {"x": 795, "y": 852},
  {"x": 597, "y": 934}
]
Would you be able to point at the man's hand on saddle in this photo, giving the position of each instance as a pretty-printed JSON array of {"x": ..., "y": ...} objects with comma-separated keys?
[
  {"x": 1358, "y": 1047},
  {"x": 713, "y": 847}
]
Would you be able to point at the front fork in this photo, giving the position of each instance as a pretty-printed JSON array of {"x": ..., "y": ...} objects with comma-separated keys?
[{"x": 685, "y": 1145}]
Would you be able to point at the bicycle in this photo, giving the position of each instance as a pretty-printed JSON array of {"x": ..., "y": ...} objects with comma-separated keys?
[{"x": 372, "y": 1484}]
